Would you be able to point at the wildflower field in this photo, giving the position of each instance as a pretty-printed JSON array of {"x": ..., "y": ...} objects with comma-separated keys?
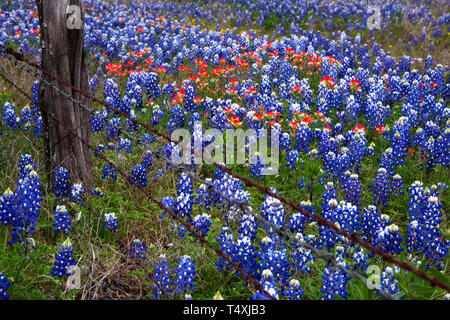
[{"x": 358, "y": 101}]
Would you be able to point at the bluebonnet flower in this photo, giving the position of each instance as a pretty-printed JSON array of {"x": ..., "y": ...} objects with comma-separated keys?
[
  {"x": 352, "y": 188},
  {"x": 226, "y": 242},
  {"x": 148, "y": 138},
  {"x": 109, "y": 172},
  {"x": 347, "y": 216},
  {"x": 232, "y": 188},
  {"x": 158, "y": 114},
  {"x": 158, "y": 174},
  {"x": 397, "y": 185},
  {"x": 137, "y": 249},
  {"x": 329, "y": 194},
  {"x": 424, "y": 234},
  {"x": 162, "y": 276},
  {"x": 132, "y": 126},
  {"x": 294, "y": 292},
  {"x": 303, "y": 136},
  {"x": 387, "y": 282},
  {"x": 25, "y": 171},
  {"x": 272, "y": 211},
  {"x": 244, "y": 255},
  {"x": 152, "y": 85},
  {"x": 298, "y": 221},
  {"x": 370, "y": 222},
  {"x": 63, "y": 220},
  {"x": 76, "y": 193},
  {"x": 139, "y": 175},
  {"x": 61, "y": 183},
  {"x": 176, "y": 119},
  {"x": 124, "y": 144},
  {"x": 248, "y": 227},
  {"x": 423, "y": 36},
  {"x": 112, "y": 128},
  {"x": 169, "y": 203},
  {"x": 28, "y": 199},
  {"x": 285, "y": 142},
  {"x": 25, "y": 165},
  {"x": 98, "y": 122},
  {"x": 185, "y": 273},
  {"x": 334, "y": 280},
  {"x": 337, "y": 164},
  {"x": 400, "y": 140},
  {"x": 390, "y": 239},
  {"x": 428, "y": 62},
  {"x": 99, "y": 150},
  {"x": 9, "y": 116},
  {"x": 360, "y": 259},
  {"x": 417, "y": 201},
  {"x": 7, "y": 206},
  {"x": 267, "y": 243},
  {"x": 344, "y": 216},
  {"x": 301, "y": 183},
  {"x": 381, "y": 188},
  {"x": 111, "y": 223},
  {"x": 268, "y": 284},
  {"x": 257, "y": 166},
  {"x": 301, "y": 257},
  {"x": 4, "y": 285},
  {"x": 63, "y": 260},
  {"x": 98, "y": 192},
  {"x": 38, "y": 127},
  {"x": 147, "y": 160},
  {"x": 202, "y": 223},
  {"x": 185, "y": 199},
  {"x": 327, "y": 143},
  {"x": 292, "y": 159},
  {"x": 203, "y": 196}
]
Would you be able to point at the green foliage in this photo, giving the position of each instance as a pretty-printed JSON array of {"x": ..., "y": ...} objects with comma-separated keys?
[{"x": 30, "y": 275}]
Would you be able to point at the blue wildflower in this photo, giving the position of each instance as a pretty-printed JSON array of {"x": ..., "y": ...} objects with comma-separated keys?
[
  {"x": 185, "y": 273},
  {"x": 139, "y": 175},
  {"x": 137, "y": 249},
  {"x": 76, "y": 193},
  {"x": 63, "y": 260},
  {"x": 62, "y": 220},
  {"x": 110, "y": 222},
  {"x": 162, "y": 276},
  {"x": 4, "y": 285},
  {"x": 61, "y": 183}
]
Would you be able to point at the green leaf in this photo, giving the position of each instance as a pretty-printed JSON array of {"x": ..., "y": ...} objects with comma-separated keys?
[
  {"x": 422, "y": 291},
  {"x": 439, "y": 275}
]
